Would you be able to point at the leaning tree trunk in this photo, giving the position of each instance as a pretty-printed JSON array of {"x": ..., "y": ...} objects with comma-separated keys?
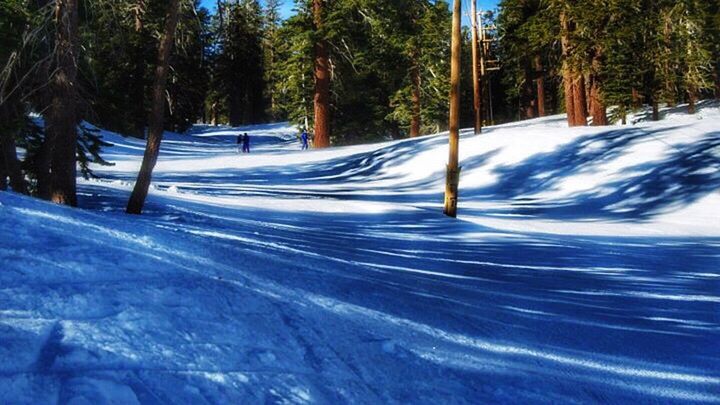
[
  {"x": 540, "y": 84},
  {"x": 415, "y": 121},
  {"x": 62, "y": 115},
  {"x": 157, "y": 116},
  {"x": 322, "y": 82}
]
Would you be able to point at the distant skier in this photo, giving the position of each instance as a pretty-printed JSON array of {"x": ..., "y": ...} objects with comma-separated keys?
[
  {"x": 246, "y": 143},
  {"x": 240, "y": 143},
  {"x": 304, "y": 140}
]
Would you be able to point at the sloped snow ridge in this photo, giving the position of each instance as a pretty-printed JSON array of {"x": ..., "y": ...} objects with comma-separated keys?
[{"x": 584, "y": 267}]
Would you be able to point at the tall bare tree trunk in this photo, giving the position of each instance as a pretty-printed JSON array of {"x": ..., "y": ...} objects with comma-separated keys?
[
  {"x": 415, "y": 121},
  {"x": 62, "y": 116},
  {"x": 157, "y": 116},
  {"x": 453, "y": 169},
  {"x": 540, "y": 84},
  {"x": 477, "y": 89},
  {"x": 322, "y": 82}
]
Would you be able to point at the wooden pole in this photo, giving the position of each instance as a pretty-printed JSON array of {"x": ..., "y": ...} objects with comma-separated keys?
[
  {"x": 475, "y": 70},
  {"x": 453, "y": 170}
]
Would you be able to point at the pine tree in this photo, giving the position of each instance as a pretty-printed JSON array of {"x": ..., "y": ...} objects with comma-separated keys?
[{"x": 238, "y": 69}]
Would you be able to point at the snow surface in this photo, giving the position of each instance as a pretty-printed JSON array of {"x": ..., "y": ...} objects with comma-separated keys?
[{"x": 584, "y": 267}]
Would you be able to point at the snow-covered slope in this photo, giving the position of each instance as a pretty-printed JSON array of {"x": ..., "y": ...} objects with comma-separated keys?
[{"x": 584, "y": 267}]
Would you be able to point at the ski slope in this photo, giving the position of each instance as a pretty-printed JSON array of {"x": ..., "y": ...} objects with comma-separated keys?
[{"x": 584, "y": 267}]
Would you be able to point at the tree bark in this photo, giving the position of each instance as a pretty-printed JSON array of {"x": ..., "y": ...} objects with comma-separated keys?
[
  {"x": 636, "y": 99},
  {"x": 540, "y": 84},
  {"x": 138, "y": 82},
  {"x": 567, "y": 72},
  {"x": 157, "y": 116},
  {"x": 62, "y": 117},
  {"x": 453, "y": 170},
  {"x": 528, "y": 101},
  {"x": 598, "y": 109},
  {"x": 415, "y": 121},
  {"x": 579, "y": 100},
  {"x": 477, "y": 88},
  {"x": 692, "y": 100},
  {"x": 655, "y": 111},
  {"x": 322, "y": 82},
  {"x": 569, "y": 98}
]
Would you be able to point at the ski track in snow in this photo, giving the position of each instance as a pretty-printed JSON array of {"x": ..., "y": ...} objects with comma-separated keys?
[{"x": 584, "y": 268}]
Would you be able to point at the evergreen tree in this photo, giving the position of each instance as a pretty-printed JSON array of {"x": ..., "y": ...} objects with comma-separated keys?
[{"x": 238, "y": 83}]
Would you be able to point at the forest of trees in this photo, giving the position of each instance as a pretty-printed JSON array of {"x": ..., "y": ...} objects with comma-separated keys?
[{"x": 349, "y": 71}]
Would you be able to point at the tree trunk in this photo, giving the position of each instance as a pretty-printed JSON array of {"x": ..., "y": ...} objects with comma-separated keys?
[
  {"x": 540, "y": 84},
  {"x": 528, "y": 101},
  {"x": 579, "y": 101},
  {"x": 692, "y": 100},
  {"x": 157, "y": 116},
  {"x": 138, "y": 82},
  {"x": 12, "y": 167},
  {"x": 62, "y": 117},
  {"x": 598, "y": 109},
  {"x": 717, "y": 80},
  {"x": 636, "y": 99},
  {"x": 3, "y": 175},
  {"x": 415, "y": 121},
  {"x": 477, "y": 89},
  {"x": 453, "y": 170},
  {"x": 568, "y": 76},
  {"x": 10, "y": 113},
  {"x": 322, "y": 82},
  {"x": 569, "y": 98},
  {"x": 655, "y": 111}
]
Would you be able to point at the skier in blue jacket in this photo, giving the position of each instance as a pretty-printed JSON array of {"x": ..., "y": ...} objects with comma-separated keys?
[{"x": 304, "y": 139}]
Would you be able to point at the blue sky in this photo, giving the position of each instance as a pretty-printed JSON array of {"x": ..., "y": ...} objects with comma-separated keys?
[{"x": 287, "y": 8}]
